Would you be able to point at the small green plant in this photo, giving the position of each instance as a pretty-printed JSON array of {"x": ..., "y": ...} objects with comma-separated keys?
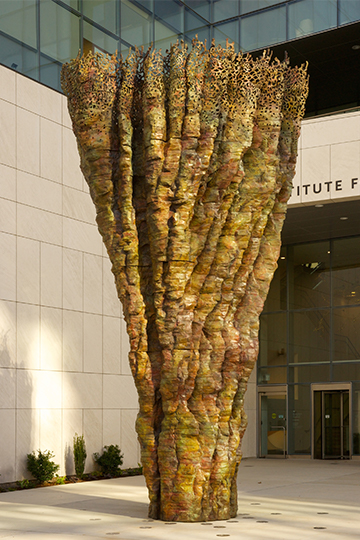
[
  {"x": 59, "y": 480},
  {"x": 110, "y": 460},
  {"x": 24, "y": 484},
  {"x": 79, "y": 454},
  {"x": 41, "y": 466}
]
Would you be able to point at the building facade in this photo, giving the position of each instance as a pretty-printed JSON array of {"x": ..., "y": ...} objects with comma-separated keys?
[{"x": 63, "y": 344}]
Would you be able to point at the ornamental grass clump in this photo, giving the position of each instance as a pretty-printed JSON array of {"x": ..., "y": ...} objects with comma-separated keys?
[{"x": 41, "y": 466}]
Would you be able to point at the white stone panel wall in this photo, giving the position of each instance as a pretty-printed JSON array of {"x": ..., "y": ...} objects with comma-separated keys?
[
  {"x": 250, "y": 406},
  {"x": 63, "y": 342},
  {"x": 328, "y": 165}
]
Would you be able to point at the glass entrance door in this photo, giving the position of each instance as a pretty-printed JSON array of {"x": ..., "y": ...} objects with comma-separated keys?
[
  {"x": 332, "y": 424},
  {"x": 273, "y": 424}
]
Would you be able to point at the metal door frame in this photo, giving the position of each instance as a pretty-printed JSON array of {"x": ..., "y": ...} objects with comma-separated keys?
[
  {"x": 279, "y": 389},
  {"x": 329, "y": 387}
]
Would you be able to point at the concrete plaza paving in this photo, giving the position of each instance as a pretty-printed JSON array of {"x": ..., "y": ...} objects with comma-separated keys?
[{"x": 278, "y": 499}]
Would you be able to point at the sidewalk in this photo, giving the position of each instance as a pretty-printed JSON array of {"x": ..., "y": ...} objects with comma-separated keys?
[{"x": 278, "y": 499}]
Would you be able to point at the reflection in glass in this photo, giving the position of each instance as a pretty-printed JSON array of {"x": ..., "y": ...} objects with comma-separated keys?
[
  {"x": 202, "y": 33},
  {"x": 310, "y": 336},
  {"x": 263, "y": 29},
  {"x": 171, "y": 14},
  {"x": 273, "y": 340},
  {"x": 202, "y": 7},
  {"x": 18, "y": 20},
  {"x": 136, "y": 24},
  {"x": 224, "y": 9},
  {"x": 318, "y": 428},
  {"x": 346, "y": 271},
  {"x": 273, "y": 425},
  {"x": 60, "y": 32},
  {"x": 299, "y": 424},
  {"x": 72, "y": 3},
  {"x": 272, "y": 375},
  {"x": 164, "y": 36},
  {"x": 336, "y": 425},
  {"x": 346, "y": 335},
  {"x": 276, "y": 298},
  {"x": 253, "y": 5},
  {"x": 309, "y": 275},
  {"x": 103, "y": 12},
  {"x": 309, "y": 16},
  {"x": 349, "y": 11},
  {"x": 50, "y": 72},
  {"x": 356, "y": 418},
  {"x": 310, "y": 374},
  {"x": 344, "y": 372},
  {"x": 192, "y": 21},
  {"x": 95, "y": 40},
  {"x": 16, "y": 56},
  {"x": 227, "y": 30}
]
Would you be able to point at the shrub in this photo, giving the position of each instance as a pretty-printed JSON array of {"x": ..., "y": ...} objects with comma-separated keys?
[
  {"x": 79, "y": 454},
  {"x": 41, "y": 466},
  {"x": 110, "y": 460}
]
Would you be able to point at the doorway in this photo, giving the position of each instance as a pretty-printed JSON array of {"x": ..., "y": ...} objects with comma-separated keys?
[
  {"x": 273, "y": 426},
  {"x": 331, "y": 421}
]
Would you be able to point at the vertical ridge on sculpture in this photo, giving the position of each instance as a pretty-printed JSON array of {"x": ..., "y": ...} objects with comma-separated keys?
[{"x": 189, "y": 159}]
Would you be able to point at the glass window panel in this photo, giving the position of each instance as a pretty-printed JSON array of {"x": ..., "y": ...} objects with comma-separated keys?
[
  {"x": 346, "y": 335},
  {"x": 349, "y": 11},
  {"x": 263, "y": 29},
  {"x": 18, "y": 19},
  {"x": 202, "y": 7},
  {"x": 147, "y": 4},
  {"x": 252, "y": 5},
  {"x": 272, "y": 375},
  {"x": 103, "y": 12},
  {"x": 202, "y": 34},
  {"x": 356, "y": 418},
  {"x": 346, "y": 372},
  {"x": 170, "y": 13},
  {"x": 164, "y": 37},
  {"x": 309, "y": 16},
  {"x": 276, "y": 298},
  {"x": 136, "y": 24},
  {"x": 272, "y": 340},
  {"x": 346, "y": 271},
  {"x": 310, "y": 336},
  {"x": 19, "y": 57},
  {"x": 72, "y": 3},
  {"x": 192, "y": 21},
  {"x": 59, "y": 32},
  {"x": 309, "y": 275},
  {"x": 273, "y": 425},
  {"x": 224, "y": 9},
  {"x": 310, "y": 374},
  {"x": 50, "y": 73},
  {"x": 97, "y": 41},
  {"x": 227, "y": 30},
  {"x": 299, "y": 426}
]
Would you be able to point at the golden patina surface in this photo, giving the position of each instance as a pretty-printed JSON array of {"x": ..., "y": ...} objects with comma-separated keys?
[{"x": 189, "y": 158}]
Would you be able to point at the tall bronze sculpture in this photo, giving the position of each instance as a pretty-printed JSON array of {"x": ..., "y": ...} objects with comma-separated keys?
[{"x": 190, "y": 159}]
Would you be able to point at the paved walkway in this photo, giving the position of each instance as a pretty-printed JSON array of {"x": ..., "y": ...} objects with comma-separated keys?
[{"x": 278, "y": 499}]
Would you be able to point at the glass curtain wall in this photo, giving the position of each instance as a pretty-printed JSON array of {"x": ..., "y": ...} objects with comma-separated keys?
[
  {"x": 309, "y": 331},
  {"x": 38, "y": 36}
]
